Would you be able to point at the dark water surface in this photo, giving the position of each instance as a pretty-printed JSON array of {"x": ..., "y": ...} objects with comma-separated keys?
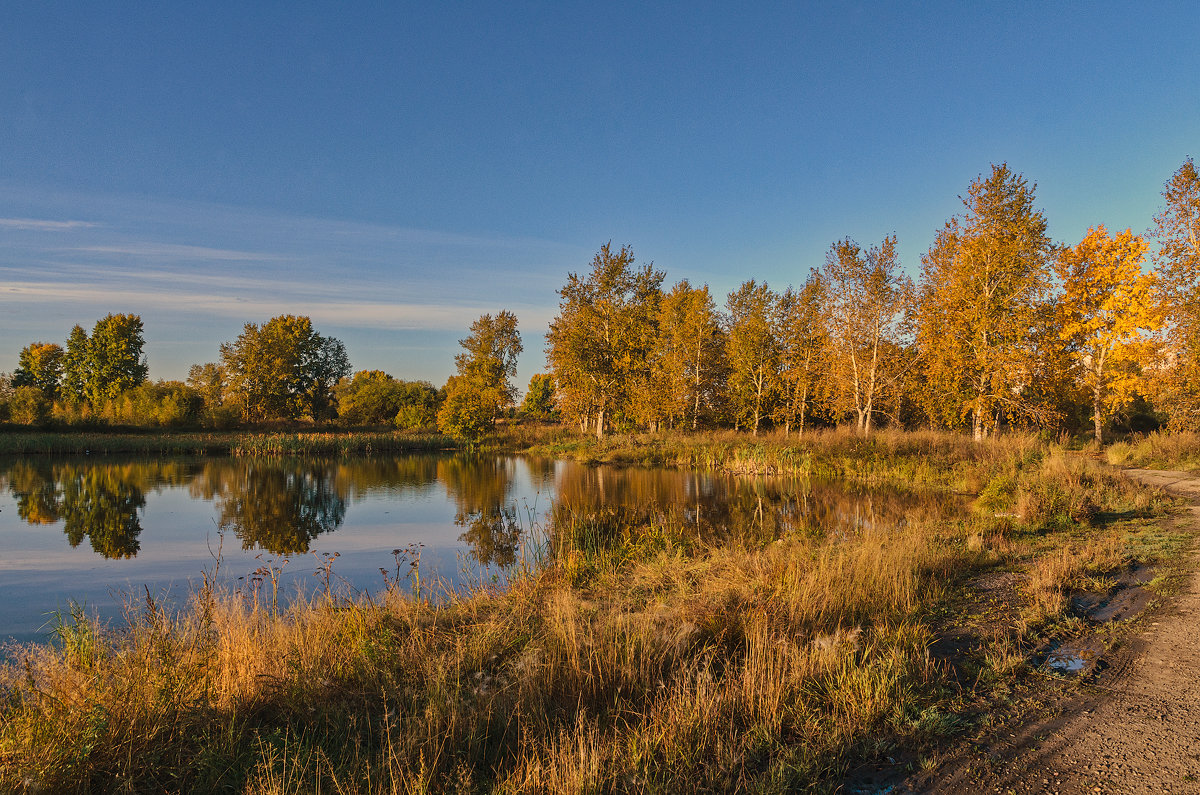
[{"x": 100, "y": 531}]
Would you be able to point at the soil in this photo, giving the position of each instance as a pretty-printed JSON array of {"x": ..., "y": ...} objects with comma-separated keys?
[{"x": 1131, "y": 721}]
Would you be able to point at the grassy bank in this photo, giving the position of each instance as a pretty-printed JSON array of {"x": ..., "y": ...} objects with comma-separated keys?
[
  {"x": 916, "y": 458},
  {"x": 1158, "y": 450},
  {"x": 238, "y": 443},
  {"x": 631, "y": 657}
]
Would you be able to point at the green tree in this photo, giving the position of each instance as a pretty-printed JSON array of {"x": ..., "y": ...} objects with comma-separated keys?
[
  {"x": 600, "y": 341},
  {"x": 74, "y": 388},
  {"x": 283, "y": 369},
  {"x": 419, "y": 402},
  {"x": 483, "y": 387},
  {"x": 468, "y": 411},
  {"x": 539, "y": 398},
  {"x": 115, "y": 362},
  {"x": 982, "y": 285},
  {"x": 40, "y": 365},
  {"x": 489, "y": 357},
  {"x": 752, "y": 352},
  {"x": 1177, "y": 230}
]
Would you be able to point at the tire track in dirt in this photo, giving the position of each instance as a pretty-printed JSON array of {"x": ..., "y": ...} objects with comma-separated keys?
[{"x": 1137, "y": 730}]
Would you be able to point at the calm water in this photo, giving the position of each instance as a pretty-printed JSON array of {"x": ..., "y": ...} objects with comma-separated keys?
[{"x": 101, "y": 531}]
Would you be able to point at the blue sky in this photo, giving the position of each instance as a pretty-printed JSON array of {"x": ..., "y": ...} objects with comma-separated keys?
[{"x": 396, "y": 170}]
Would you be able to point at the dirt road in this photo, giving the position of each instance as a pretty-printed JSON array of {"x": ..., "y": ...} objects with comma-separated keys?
[{"x": 1137, "y": 730}]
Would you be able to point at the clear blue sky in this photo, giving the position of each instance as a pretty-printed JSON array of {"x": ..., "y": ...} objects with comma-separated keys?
[{"x": 395, "y": 170}]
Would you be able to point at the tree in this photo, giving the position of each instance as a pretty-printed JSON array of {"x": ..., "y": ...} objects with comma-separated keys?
[
  {"x": 1106, "y": 309},
  {"x": 329, "y": 364},
  {"x": 1177, "y": 230},
  {"x": 284, "y": 369},
  {"x": 114, "y": 359},
  {"x": 803, "y": 342},
  {"x": 539, "y": 397},
  {"x": 74, "y": 387},
  {"x": 866, "y": 294},
  {"x": 209, "y": 381},
  {"x": 469, "y": 409},
  {"x": 752, "y": 352},
  {"x": 981, "y": 285},
  {"x": 40, "y": 365},
  {"x": 483, "y": 387},
  {"x": 690, "y": 352},
  {"x": 489, "y": 357},
  {"x": 599, "y": 343}
]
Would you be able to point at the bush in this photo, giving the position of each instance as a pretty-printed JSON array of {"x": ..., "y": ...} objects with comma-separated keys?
[{"x": 29, "y": 406}]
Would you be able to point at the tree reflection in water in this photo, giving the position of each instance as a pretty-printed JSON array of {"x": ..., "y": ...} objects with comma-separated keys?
[
  {"x": 277, "y": 506},
  {"x": 481, "y": 489},
  {"x": 102, "y": 503},
  {"x": 281, "y": 506}
]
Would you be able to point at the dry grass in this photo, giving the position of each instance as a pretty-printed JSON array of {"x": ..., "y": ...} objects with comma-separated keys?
[
  {"x": 1158, "y": 450},
  {"x": 706, "y": 672},
  {"x": 632, "y": 658}
]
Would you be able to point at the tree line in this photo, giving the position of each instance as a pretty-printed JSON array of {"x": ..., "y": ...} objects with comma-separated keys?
[{"x": 1001, "y": 327}]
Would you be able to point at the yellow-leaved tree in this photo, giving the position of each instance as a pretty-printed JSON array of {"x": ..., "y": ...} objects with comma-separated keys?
[
  {"x": 982, "y": 283},
  {"x": 1107, "y": 310}
]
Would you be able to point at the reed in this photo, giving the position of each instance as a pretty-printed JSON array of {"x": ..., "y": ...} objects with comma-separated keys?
[{"x": 238, "y": 443}]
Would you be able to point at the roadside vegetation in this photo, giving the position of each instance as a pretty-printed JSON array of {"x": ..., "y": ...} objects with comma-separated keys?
[{"x": 1158, "y": 451}]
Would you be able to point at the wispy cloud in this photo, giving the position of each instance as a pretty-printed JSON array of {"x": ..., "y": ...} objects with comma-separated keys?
[
  {"x": 356, "y": 314},
  {"x": 175, "y": 252},
  {"x": 41, "y": 225}
]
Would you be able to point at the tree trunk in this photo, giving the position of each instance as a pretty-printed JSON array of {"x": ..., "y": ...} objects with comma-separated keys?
[
  {"x": 977, "y": 418},
  {"x": 1097, "y": 416},
  {"x": 600, "y": 424}
]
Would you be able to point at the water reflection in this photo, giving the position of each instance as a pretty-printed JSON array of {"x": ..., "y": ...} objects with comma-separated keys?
[
  {"x": 280, "y": 507},
  {"x": 283, "y": 506},
  {"x": 102, "y": 503},
  {"x": 481, "y": 489}
]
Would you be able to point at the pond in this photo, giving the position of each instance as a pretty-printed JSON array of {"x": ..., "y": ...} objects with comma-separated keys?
[{"x": 103, "y": 532}]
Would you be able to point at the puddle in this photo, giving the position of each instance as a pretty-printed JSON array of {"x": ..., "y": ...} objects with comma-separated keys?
[
  {"x": 1074, "y": 657},
  {"x": 1066, "y": 662}
]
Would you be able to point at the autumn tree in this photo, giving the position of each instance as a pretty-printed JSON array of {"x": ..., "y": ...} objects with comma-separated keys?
[
  {"x": 483, "y": 387},
  {"x": 752, "y": 353},
  {"x": 981, "y": 285},
  {"x": 1106, "y": 309},
  {"x": 802, "y": 338},
  {"x": 209, "y": 381},
  {"x": 283, "y": 369},
  {"x": 489, "y": 357},
  {"x": 598, "y": 345},
  {"x": 40, "y": 365},
  {"x": 689, "y": 353},
  {"x": 114, "y": 357},
  {"x": 1177, "y": 230},
  {"x": 866, "y": 294}
]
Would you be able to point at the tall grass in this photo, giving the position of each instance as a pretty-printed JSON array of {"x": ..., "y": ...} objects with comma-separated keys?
[
  {"x": 921, "y": 458},
  {"x": 1158, "y": 450},
  {"x": 632, "y": 657},
  {"x": 708, "y": 670}
]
